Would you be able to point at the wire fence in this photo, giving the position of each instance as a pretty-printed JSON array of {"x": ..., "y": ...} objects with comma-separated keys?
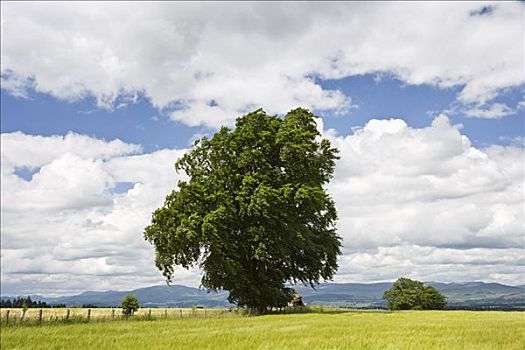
[
  {"x": 33, "y": 316},
  {"x": 16, "y": 316}
]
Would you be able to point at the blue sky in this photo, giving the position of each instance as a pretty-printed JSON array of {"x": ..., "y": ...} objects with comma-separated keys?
[
  {"x": 418, "y": 105},
  {"x": 425, "y": 102},
  {"x": 142, "y": 123}
]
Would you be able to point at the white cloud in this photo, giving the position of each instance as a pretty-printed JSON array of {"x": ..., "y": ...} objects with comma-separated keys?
[
  {"x": 211, "y": 62},
  {"x": 493, "y": 111},
  {"x": 414, "y": 191},
  {"x": 418, "y": 202},
  {"x": 66, "y": 228},
  {"x": 21, "y": 150},
  {"x": 514, "y": 141},
  {"x": 434, "y": 264},
  {"x": 17, "y": 85}
]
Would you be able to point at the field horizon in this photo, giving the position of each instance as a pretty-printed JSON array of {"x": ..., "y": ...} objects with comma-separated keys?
[{"x": 467, "y": 295}]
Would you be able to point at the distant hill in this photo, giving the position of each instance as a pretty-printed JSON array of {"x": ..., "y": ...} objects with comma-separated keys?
[
  {"x": 345, "y": 294},
  {"x": 479, "y": 294},
  {"x": 154, "y": 296},
  {"x": 460, "y": 295}
]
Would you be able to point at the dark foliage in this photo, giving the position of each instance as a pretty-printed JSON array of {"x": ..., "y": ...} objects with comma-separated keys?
[
  {"x": 254, "y": 214},
  {"x": 27, "y": 302}
]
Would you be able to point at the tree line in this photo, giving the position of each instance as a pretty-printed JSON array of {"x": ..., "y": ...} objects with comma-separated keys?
[{"x": 26, "y": 303}]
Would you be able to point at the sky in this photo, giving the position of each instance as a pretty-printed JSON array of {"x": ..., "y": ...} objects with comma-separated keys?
[{"x": 424, "y": 100}]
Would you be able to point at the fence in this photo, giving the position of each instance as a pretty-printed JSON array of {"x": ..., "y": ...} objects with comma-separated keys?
[{"x": 18, "y": 316}]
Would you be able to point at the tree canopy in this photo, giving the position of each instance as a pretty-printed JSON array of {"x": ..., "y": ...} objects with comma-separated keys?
[
  {"x": 407, "y": 294},
  {"x": 254, "y": 214}
]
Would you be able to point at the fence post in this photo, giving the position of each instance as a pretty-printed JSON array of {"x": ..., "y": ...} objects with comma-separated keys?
[
  {"x": 40, "y": 316},
  {"x": 149, "y": 314},
  {"x": 67, "y": 314},
  {"x": 204, "y": 313},
  {"x": 166, "y": 313},
  {"x": 112, "y": 313},
  {"x": 89, "y": 314},
  {"x": 180, "y": 311},
  {"x": 7, "y": 317}
]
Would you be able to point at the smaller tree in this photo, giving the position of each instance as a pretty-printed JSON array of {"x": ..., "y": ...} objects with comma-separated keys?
[
  {"x": 129, "y": 305},
  {"x": 25, "y": 306},
  {"x": 407, "y": 294}
]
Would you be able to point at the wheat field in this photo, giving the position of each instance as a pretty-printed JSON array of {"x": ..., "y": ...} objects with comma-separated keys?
[{"x": 334, "y": 330}]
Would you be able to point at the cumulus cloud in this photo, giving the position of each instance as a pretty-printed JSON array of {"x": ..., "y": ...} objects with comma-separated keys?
[
  {"x": 419, "y": 202},
  {"x": 206, "y": 63},
  {"x": 65, "y": 229},
  {"x": 425, "y": 202},
  {"x": 22, "y": 150}
]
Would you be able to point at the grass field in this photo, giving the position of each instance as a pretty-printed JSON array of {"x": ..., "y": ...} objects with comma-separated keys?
[{"x": 349, "y": 330}]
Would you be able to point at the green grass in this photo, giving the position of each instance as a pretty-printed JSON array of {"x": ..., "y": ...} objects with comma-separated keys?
[{"x": 349, "y": 330}]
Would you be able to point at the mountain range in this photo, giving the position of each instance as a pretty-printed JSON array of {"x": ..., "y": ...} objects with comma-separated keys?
[{"x": 470, "y": 295}]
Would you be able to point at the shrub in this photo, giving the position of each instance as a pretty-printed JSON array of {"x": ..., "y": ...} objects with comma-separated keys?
[
  {"x": 407, "y": 294},
  {"x": 129, "y": 305}
]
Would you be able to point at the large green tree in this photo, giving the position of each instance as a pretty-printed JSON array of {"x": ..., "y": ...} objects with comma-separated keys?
[
  {"x": 253, "y": 215},
  {"x": 407, "y": 294}
]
